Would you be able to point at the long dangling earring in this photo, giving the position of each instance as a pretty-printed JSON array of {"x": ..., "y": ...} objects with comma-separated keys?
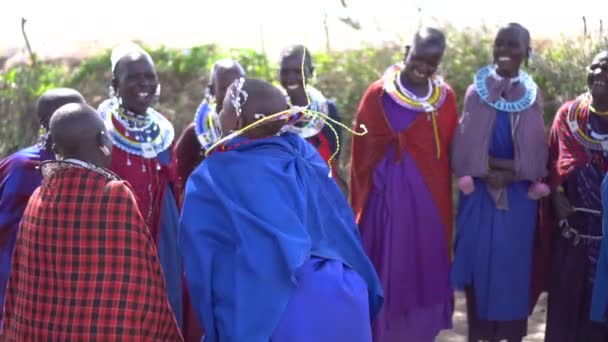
[
  {"x": 157, "y": 93},
  {"x": 43, "y": 136},
  {"x": 406, "y": 53},
  {"x": 528, "y": 56},
  {"x": 105, "y": 150}
]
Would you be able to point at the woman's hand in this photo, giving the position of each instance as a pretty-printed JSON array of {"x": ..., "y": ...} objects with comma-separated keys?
[
  {"x": 501, "y": 164},
  {"x": 561, "y": 205},
  {"x": 499, "y": 178}
]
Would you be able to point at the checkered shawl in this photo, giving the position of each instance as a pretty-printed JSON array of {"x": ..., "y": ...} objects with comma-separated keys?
[{"x": 85, "y": 267}]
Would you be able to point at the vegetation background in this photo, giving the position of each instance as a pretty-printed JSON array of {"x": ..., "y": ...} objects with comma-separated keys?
[{"x": 557, "y": 65}]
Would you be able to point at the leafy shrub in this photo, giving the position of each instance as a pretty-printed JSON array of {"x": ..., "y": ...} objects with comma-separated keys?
[{"x": 558, "y": 67}]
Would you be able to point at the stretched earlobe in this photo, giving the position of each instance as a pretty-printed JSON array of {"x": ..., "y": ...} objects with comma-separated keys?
[
  {"x": 406, "y": 51},
  {"x": 114, "y": 86}
]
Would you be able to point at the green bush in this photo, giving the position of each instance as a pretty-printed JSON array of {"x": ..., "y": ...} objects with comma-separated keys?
[{"x": 558, "y": 67}]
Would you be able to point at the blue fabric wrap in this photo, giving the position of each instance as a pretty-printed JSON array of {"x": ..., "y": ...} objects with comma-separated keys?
[{"x": 252, "y": 217}]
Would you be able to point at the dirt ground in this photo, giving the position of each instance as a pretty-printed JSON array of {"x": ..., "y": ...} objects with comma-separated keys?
[{"x": 536, "y": 323}]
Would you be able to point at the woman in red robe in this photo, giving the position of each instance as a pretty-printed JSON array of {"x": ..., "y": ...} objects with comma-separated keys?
[{"x": 143, "y": 156}]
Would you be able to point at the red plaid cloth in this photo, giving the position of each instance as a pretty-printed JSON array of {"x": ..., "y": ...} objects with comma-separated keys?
[{"x": 85, "y": 266}]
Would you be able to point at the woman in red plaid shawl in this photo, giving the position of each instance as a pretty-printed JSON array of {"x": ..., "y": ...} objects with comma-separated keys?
[{"x": 85, "y": 266}]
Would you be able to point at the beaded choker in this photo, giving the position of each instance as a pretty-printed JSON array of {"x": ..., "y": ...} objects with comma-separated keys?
[
  {"x": 584, "y": 133},
  {"x": 206, "y": 124},
  {"x": 141, "y": 135},
  {"x": 431, "y": 102},
  {"x": 501, "y": 104},
  {"x": 308, "y": 126},
  {"x": 49, "y": 167}
]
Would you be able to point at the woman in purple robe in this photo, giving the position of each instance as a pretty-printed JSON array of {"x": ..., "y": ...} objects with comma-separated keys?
[
  {"x": 401, "y": 191},
  {"x": 19, "y": 177}
]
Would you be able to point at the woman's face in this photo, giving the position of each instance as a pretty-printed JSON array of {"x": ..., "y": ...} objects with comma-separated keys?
[
  {"x": 597, "y": 78},
  {"x": 509, "y": 52},
  {"x": 136, "y": 82},
  {"x": 422, "y": 62}
]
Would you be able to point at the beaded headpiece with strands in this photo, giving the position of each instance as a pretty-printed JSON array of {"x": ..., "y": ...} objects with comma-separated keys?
[
  {"x": 238, "y": 95},
  {"x": 289, "y": 116},
  {"x": 43, "y": 137}
]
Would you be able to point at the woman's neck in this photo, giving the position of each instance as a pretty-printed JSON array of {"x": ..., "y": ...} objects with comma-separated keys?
[
  {"x": 420, "y": 89},
  {"x": 132, "y": 113},
  {"x": 299, "y": 98},
  {"x": 600, "y": 105},
  {"x": 85, "y": 159},
  {"x": 507, "y": 74}
]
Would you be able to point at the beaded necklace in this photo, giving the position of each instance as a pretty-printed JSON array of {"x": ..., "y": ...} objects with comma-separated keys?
[
  {"x": 429, "y": 103},
  {"x": 501, "y": 104},
  {"x": 49, "y": 167},
  {"x": 584, "y": 134},
  {"x": 206, "y": 124},
  {"x": 434, "y": 98},
  {"x": 302, "y": 125},
  {"x": 141, "y": 135}
]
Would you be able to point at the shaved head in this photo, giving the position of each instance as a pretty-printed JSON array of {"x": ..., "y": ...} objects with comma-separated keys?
[
  {"x": 262, "y": 99},
  {"x": 423, "y": 57},
  {"x": 521, "y": 31},
  {"x": 79, "y": 132},
  {"x": 52, "y": 99},
  {"x": 298, "y": 52},
  {"x": 428, "y": 37},
  {"x": 227, "y": 64},
  {"x": 133, "y": 56}
]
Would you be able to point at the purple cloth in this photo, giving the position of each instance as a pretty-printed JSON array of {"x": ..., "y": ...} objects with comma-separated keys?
[
  {"x": 403, "y": 234},
  {"x": 572, "y": 273},
  {"x": 329, "y": 304},
  {"x": 19, "y": 177},
  {"x": 473, "y": 136}
]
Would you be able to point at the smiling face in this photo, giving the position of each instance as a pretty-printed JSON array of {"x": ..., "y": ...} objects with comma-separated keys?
[
  {"x": 291, "y": 75},
  {"x": 597, "y": 78},
  {"x": 510, "y": 49},
  {"x": 422, "y": 63},
  {"x": 136, "y": 82},
  {"x": 423, "y": 59}
]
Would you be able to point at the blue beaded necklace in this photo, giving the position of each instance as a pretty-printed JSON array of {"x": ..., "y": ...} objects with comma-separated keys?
[{"x": 501, "y": 104}]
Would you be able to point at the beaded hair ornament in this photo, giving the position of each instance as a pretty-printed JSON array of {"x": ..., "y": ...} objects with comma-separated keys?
[
  {"x": 289, "y": 117},
  {"x": 43, "y": 137},
  {"x": 238, "y": 97}
]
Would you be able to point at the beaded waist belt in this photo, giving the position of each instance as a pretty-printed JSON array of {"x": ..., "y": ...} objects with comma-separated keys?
[{"x": 571, "y": 233}]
